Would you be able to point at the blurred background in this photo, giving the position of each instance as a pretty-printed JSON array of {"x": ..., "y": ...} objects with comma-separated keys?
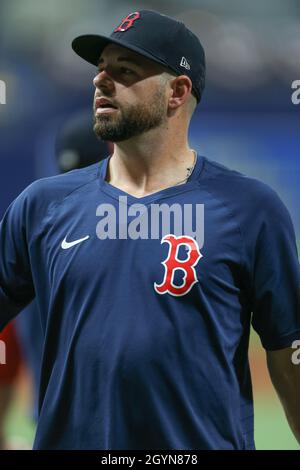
[{"x": 246, "y": 119}]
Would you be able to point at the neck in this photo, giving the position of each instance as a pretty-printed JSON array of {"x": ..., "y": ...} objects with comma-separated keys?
[{"x": 150, "y": 162}]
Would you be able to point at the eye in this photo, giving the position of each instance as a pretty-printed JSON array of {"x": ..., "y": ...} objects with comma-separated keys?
[
  {"x": 126, "y": 71},
  {"x": 120, "y": 70}
]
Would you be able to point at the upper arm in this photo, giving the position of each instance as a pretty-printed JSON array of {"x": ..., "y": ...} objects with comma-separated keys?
[
  {"x": 275, "y": 277},
  {"x": 284, "y": 368},
  {"x": 16, "y": 285}
]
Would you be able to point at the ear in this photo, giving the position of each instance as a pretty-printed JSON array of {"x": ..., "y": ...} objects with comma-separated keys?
[{"x": 181, "y": 87}]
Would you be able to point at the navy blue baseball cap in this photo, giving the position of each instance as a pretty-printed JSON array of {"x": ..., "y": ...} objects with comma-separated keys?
[{"x": 155, "y": 36}]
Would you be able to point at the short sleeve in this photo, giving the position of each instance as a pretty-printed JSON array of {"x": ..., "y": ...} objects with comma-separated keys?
[
  {"x": 16, "y": 286},
  {"x": 275, "y": 276}
]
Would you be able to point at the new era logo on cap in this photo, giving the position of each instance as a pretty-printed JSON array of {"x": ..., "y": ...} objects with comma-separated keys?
[{"x": 184, "y": 63}]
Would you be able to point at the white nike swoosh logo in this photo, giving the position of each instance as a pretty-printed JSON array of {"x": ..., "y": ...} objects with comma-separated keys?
[{"x": 66, "y": 245}]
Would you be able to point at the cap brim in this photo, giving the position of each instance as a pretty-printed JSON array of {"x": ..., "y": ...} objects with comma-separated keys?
[{"x": 90, "y": 46}]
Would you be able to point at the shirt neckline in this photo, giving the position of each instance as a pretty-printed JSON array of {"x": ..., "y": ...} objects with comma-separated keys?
[{"x": 163, "y": 193}]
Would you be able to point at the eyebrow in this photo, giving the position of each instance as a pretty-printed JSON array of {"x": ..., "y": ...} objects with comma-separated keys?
[{"x": 124, "y": 59}]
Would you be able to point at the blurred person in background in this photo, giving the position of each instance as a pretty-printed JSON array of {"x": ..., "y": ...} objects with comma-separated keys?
[
  {"x": 9, "y": 372},
  {"x": 76, "y": 146},
  {"x": 146, "y": 344}
]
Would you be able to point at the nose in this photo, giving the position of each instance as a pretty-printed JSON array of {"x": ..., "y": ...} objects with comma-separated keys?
[{"x": 103, "y": 79}]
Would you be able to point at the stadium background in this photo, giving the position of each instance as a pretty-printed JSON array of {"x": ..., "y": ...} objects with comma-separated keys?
[{"x": 246, "y": 119}]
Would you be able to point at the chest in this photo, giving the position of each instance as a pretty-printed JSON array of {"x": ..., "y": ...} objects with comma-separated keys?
[{"x": 172, "y": 246}]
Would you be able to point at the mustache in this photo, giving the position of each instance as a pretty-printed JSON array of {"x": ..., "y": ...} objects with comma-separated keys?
[
  {"x": 114, "y": 104},
  {"x": 104, "y": 97}
]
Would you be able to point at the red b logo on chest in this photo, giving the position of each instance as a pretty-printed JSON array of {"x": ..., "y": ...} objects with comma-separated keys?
[
  {"x": 172, "y": 263},
  {"x": 128, "y": 22}
]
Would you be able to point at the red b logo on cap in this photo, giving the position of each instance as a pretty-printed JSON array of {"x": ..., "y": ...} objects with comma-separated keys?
[{"x": 128, "y": 21}]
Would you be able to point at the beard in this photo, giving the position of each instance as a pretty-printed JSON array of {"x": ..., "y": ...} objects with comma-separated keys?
[{"x": 133, "y": 120}]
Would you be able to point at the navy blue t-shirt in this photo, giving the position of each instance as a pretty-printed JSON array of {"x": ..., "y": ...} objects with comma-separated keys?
[{"x": 146, "y": 337}]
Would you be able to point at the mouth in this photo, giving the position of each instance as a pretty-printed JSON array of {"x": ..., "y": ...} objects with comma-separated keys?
[
  {"x": 104, "y": 106},
  {"x": 105, "y": 111}
]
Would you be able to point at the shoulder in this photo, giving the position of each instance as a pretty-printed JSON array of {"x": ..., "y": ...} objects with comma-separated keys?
[
  {"x": 255, "y": 207},
  {"x": 60, "y": 186},
  {"x": 37, "y": 198},
  {"x": 241, "y": 192},
  {"x": 53, "y": 189}
]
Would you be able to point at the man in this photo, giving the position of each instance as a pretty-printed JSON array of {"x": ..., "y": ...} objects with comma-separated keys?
[
  {"x": 76, "y": 147},
  {"x": 146, "y": 319}
]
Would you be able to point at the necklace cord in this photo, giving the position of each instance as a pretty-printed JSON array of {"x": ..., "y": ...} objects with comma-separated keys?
[{"x": 190, "y": 170}]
